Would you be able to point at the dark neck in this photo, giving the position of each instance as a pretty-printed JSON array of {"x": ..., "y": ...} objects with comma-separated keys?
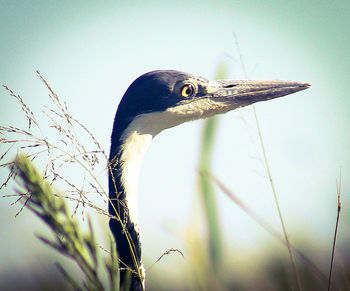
[
  {"x": 126, "y": 236},
  {"x": 124, "y": 163}
]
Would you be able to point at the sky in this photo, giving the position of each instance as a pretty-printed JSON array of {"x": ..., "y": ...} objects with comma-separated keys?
[{"x": 91, "y": 51}]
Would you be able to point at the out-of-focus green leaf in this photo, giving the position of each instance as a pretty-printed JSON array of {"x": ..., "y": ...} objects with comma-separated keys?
[{"x": 205, "y": 184}]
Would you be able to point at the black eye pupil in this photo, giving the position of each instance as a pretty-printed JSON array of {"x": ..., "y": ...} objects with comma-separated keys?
[{"x": 188, "y": 90}]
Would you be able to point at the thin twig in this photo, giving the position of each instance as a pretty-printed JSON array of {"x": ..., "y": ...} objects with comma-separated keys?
[
  {"x": 295, "y": 271},
  {"x": 335, "y": 233},
  {"x": 167, "y": 253},
  {"x": 291, "y": 256},
  {"x": 319, "y": 274}
]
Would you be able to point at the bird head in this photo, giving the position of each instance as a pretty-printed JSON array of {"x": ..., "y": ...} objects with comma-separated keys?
[{"x": 162, "y": 99}]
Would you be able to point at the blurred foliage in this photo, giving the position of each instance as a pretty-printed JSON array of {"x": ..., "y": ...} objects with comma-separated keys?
[
  {"x": 207, "y": 257},
  {"x": 68, "y": 240},
  {"x": 208, "y": 261}
]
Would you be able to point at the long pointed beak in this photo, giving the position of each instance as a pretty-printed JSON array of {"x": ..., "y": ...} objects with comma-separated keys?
[{"x": 246, "y": 92}]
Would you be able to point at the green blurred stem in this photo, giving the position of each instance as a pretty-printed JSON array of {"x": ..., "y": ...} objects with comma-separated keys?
[
  {"x": 207, "y": 191},
  {"x": 206, "y": 185}
]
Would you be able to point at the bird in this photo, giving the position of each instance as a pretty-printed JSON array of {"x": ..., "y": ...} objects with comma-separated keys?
[{"x": 156, "y": 101}]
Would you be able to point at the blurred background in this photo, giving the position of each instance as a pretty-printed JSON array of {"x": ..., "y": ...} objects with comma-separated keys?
[{"x": 91, "y": 51}]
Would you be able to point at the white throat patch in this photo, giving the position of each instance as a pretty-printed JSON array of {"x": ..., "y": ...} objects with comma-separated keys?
[{"x": 139, "y": 134}]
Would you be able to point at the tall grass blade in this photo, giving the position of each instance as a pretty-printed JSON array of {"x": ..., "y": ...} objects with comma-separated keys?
[
  {"x": 291, "y": 255},
  {"x": 335, "y": 233},
  {"x": 318, "y": 273},
  {"x": 205, "y": 184}
]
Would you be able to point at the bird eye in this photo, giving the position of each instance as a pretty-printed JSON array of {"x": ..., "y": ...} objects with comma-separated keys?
[{"x": 188, "y": 90}]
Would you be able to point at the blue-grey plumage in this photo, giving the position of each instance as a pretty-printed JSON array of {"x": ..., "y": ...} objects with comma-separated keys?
[{"x": 156, "y": 101}]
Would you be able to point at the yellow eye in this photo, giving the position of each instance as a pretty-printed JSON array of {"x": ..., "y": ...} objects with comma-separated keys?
[{"x": 188, "y": 90}]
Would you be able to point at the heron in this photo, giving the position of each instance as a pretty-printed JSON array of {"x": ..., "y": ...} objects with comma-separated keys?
[{"x": 156, "y": 101}]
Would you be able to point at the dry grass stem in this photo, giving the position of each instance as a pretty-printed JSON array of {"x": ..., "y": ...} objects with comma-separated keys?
[
  {"x": 291, "y": 255},
  {"x": 166, "y": 253},
  {"x": 65, "y": 150},
  {"x": 86, "y": 159},
  {"x": 335, "y": 232},
  {"x": 318, "y": 273}
]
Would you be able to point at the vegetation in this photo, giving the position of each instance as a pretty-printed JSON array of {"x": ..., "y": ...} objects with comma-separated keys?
[
  {"x": 99, "y": 269},
  {"x": 69, "y": 239}
]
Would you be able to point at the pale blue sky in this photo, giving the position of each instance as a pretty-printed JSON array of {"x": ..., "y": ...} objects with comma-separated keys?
[{"x": 91, "y": 51}]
